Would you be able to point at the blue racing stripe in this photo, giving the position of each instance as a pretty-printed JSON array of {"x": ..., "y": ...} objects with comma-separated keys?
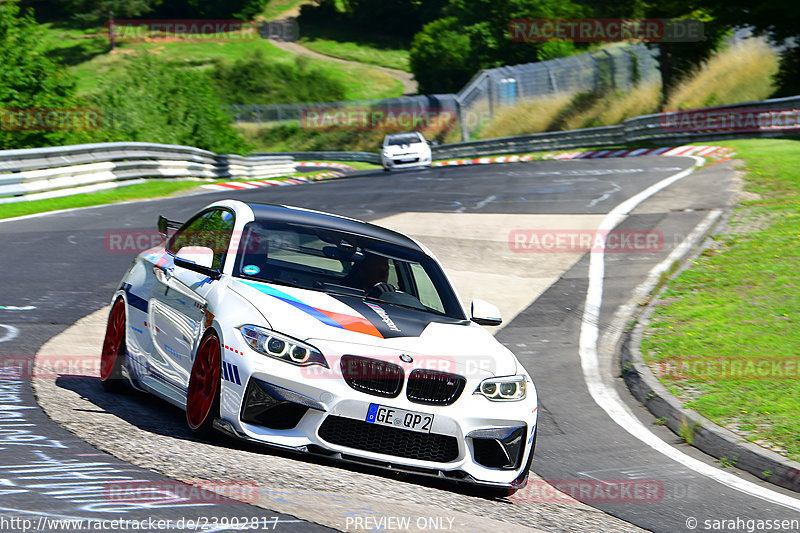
[
  {"x": 289, "y": 299},
  {"x": 133, "y": 300}
]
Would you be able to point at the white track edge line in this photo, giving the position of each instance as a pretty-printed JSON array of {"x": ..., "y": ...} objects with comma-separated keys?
[{"x": 608, "y": 399}]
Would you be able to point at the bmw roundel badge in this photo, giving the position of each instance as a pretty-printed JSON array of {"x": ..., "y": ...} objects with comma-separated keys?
[{"x": 406, "y": 358}]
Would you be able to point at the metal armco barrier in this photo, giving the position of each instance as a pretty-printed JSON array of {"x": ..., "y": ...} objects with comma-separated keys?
[
  {"x": 364, "y": 157},
  {"x": 647, "y": 128},
  {"x": 62, "y": 169}
]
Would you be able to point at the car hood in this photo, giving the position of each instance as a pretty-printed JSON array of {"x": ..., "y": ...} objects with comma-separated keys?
[{"x": 339, "y": 325}]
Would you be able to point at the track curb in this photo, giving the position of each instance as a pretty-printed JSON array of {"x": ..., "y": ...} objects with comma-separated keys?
[
  {"x": 707, "y": 436},
  {"x": 715, "y": 152}
]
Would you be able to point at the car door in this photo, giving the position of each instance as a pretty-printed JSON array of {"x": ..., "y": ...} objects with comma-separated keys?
[{"x": 177, "y": 309}]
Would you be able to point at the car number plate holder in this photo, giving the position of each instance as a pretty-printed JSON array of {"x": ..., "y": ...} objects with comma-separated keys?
[{"x": 383, "y": 415}]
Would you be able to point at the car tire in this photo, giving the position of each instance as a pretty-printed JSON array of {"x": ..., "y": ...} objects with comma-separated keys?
[
  {"x": 202, "y": 396},
  {"x": 112, "y": 358},
  {"x": 386, "y": 169}
]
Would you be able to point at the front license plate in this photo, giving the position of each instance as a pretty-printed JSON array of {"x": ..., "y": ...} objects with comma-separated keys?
[{"x": 399, "y": 418}]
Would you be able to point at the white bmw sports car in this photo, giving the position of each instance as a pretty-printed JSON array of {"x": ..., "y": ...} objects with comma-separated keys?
[{"x": 322, "y": 334}]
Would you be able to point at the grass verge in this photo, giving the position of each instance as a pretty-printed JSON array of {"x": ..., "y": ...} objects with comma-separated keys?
[
  {"x": 358, "y": 165},
  {"x": 142, "y": 191},
  {"x": 360, "y": 52},
  {"x": 280, "y": 8},
  {"x": 87, "y": 56},
  {"x": 725, "y": 335}
]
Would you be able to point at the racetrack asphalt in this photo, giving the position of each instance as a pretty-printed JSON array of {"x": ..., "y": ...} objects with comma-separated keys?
[{"x": 60, "y": 264}]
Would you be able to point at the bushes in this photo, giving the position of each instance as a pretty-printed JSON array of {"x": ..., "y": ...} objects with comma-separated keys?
[
  {"x": 28, "y": 78},
  {"x": 154, "y": 101},
  {"x": 440, "y": 57},
  {"x": 257, "y": 80},
  {"x": 470, "y": 36}
]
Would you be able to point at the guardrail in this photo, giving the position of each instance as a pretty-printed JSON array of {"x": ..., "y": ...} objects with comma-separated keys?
[
  {"x": 365, "y": 157},
  {"x": 63, "y": 170},
  {"x": 559, "y": 140},
  {"x": 647, "y": 128}
]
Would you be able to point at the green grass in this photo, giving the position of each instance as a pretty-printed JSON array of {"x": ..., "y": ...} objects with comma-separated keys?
[
  {"x": 150, "y": 189},
  {"x": 143, "y": 191},
  {"x": 86, "y": 54},
  {"x": 276, "y": 8},
  {"x": 360, "y": 52},
  {"x": 358, "y": 165},
  {"x": 738, "y": 306}
]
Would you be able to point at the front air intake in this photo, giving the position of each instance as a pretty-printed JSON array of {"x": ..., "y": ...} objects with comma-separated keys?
[
  {"x": 432, "y": 387},
  {"x": 372, "y": 376}
]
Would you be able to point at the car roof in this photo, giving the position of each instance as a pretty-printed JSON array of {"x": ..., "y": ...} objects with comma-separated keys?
[{"x": 317, "y": 219}]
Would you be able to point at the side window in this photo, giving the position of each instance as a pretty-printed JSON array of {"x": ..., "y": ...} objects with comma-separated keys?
[
  {"x": 393, "y": 277},
  {"x": 212, "y": 229}
]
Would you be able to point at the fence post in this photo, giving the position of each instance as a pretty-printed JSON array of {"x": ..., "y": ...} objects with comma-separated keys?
[
  {"x": 490, "y": 92},
  {"x": 461, "y": 121}
]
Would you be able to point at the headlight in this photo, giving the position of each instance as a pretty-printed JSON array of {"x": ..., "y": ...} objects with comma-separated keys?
[
  {"x": 506, "y": 389},
  {"x": 282, "y": 347}
]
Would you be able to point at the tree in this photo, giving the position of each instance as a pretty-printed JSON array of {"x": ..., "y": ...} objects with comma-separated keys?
[
  {"x": 474, "y": 34},
  {"x": 440, "y": 57},
  {"x": 94, "y": 12},
  {"x": 28, "y": 79}
]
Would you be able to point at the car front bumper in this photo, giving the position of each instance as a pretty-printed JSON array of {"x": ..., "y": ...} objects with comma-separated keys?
[{"x": 473, "y": 440}]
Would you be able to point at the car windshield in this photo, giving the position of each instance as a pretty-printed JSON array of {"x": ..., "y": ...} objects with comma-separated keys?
[
  {"x": 345, "y": 264},
  {"x": 405, "y": 138}
]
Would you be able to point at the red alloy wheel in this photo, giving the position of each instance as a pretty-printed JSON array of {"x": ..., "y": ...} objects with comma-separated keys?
[
  {"x": 203, "y": 384},
  {"x": 112, "y": 344}
]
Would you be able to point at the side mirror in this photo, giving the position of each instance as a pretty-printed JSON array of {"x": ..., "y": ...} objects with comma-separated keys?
[
  {"x": 164, "y": 225},
  {"x": 197, "y": 259},
  {"x": 484, "y": 313}
]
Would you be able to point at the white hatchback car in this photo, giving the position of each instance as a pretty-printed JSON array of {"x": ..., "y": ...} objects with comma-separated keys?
[
  {"x": 405, "y": 150},
  {"x": 322, "y": 334}
]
